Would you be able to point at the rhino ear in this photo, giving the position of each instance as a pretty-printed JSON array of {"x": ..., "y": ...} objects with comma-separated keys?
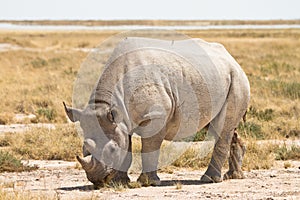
[{"x": 73, "y": 114}]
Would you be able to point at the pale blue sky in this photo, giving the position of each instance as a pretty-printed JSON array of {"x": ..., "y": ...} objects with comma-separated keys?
[{"x": 149, "y": 9}]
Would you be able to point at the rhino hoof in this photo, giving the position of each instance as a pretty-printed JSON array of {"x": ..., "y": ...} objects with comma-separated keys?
[
  {"x": 210, "y": 179},
  {"x": 121, "y": 177},
  {"x": 234, "y": 175},
  {"x": 149, "y": 179}
]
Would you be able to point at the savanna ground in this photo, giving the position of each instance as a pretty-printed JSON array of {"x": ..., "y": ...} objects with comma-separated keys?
[{"x": 38, "y": 69}]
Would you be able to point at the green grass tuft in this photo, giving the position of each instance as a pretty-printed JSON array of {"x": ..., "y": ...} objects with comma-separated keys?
[
  {"x": 285, "y": 153},
  {"x": 9, "y": 163},
  {"x": 251, "y": 130},
  {"x": 48, "y": 113},
  {"x": 39, "y": 63},
  {"x": 261, "y": 115}
]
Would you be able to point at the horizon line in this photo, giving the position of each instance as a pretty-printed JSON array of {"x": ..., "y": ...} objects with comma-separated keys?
[{"x": 148, "y": 19}]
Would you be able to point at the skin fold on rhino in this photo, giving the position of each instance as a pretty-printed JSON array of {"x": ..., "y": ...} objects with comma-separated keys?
[{"x": 162, "y": 90}]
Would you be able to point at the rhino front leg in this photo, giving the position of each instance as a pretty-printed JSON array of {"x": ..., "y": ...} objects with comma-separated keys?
[
  {"x": 150, "y": 155},
  {"x": 121, "y": 175}
]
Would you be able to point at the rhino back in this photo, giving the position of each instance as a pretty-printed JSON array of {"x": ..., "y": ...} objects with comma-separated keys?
[{"x": 188, "y": 79}]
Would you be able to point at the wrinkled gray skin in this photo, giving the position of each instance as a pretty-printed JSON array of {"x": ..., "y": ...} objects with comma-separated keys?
[{"x": 160, "y": 90}]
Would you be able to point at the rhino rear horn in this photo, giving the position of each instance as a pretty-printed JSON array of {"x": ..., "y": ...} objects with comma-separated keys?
[
  {"x": 73, "y": 114},
  {"x": 90, "y": 145}
]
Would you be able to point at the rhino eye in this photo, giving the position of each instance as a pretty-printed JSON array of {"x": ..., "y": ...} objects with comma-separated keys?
[
  {"x": 111, "y": 116},
  {"x": 114, "y": 116}
]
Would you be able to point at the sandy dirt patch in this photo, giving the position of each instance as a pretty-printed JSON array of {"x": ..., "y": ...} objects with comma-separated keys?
[{"x": 61, "y": 180}]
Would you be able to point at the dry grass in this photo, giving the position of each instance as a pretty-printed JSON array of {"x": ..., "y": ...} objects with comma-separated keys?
[
  {"x": 24, "y": 195},
  {"x": 259, "y": 156},
  {"x": 191, "y": 159},
  {"x": 134, "y": 184},
  {"x": 178, "y": 185},
  {"x": 39, "y": 74},
  {"x": 118, "y": 187},
  {"x": 62, "y": 143}
]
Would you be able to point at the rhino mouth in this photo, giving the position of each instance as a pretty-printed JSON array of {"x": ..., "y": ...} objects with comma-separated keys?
[
  {"x": 97, "y": 173},
  {"x": 111, "y": 174},
  {"x": 103, "y": 180}
]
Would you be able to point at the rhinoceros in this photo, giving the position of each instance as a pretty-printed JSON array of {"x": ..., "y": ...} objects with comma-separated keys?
[{"x": 160, "y": 90}]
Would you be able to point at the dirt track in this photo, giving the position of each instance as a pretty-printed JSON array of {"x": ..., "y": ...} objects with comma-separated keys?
[{"x": 60, "y": 180}]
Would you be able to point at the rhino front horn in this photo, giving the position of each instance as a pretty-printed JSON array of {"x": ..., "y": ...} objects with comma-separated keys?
[{"x": 85, "y": 162}]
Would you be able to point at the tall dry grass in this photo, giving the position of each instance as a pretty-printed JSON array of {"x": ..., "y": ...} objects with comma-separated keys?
[{"x": 61, "y": 143}]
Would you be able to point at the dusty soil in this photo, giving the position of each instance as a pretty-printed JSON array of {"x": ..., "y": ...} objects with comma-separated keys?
[{"x": 62, "y": 180}]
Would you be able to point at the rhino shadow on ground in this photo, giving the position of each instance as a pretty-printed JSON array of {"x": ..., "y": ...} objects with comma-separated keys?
[
  {"x": 164, "y": 183},
  {"x": 80, "y": 188}
]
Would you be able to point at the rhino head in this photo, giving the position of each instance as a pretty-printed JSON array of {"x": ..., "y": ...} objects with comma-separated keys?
[{"x": 105, "y": 144}]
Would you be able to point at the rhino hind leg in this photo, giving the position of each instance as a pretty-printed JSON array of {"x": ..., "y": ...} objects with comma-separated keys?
[
  {"x": 237, "y": 151},
  {"x": 220, "y": 152},
  {"x": 222, "y": 127}
]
